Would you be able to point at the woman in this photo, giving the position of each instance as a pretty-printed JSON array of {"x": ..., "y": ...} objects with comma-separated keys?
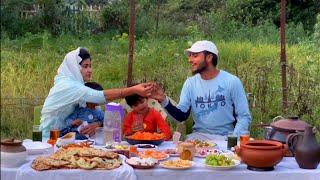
[{"x": 69, "y": 91}]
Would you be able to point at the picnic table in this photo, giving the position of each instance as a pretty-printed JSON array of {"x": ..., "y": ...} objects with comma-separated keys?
[{"x": 286, "y": 169}]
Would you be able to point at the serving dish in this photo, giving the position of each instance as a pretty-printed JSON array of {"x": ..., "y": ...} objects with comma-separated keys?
[
  {"x": 135, "y": 141},
  {"x": 37, "y": 147},
  {"x": 142, "y": 163},
  {"x": 177, "y": 164}
]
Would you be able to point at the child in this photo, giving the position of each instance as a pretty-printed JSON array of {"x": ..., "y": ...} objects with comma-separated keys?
[
  {"x": 89, "y": 114},
  {"x": 143, "y": 118}
]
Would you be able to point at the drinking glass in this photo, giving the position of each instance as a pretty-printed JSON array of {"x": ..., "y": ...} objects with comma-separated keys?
[
  {"x": 36, "y": 133},
  {"x": 54, "y": 135},
  {"x": 176, "y": 137},
  {"x": 244, "y": 139},
  {"x": 232, "y": 141}
]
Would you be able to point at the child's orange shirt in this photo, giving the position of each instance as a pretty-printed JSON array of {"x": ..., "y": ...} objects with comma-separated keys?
[{"x": 152, "y": 122}]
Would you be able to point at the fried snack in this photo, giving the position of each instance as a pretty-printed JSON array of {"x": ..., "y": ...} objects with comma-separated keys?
[
  {"x": 177, "y": 163},
  {"x": 146, "y": 136},
  {"x": 159, "y": 155},
  {"x": 91, "y": 152},
  {"x": 82, "y": 144},
  {"x": 72, "y": 157},
  {"x": 86, "y": 164},
  {"x": 106, "y": 163},
  {"x": 39, "y": 164},
  {"x": 56, "y": 163}
]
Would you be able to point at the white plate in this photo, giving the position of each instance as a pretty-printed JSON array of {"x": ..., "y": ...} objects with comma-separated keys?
[
  {"x": 137, "y": 166},
  {"x": 176, "y": 168},
  {"x": 161, "y": 159},
  {"x": 36, "y": 147},
  {"x": 236, "y": 163},
  {"x": 175, "y": 154}
]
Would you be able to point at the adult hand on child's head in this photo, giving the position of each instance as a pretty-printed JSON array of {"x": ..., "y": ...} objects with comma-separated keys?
[{"x": 144, "y": 89}]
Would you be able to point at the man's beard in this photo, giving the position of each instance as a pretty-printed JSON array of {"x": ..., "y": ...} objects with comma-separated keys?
[{"x": 202, "y": 67}]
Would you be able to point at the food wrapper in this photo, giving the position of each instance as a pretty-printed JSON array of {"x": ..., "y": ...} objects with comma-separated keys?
[{"x": 66, "y": 139}]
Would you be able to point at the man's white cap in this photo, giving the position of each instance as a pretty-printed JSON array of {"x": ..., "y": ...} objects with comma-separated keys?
[{"x": 204, "y": 45}]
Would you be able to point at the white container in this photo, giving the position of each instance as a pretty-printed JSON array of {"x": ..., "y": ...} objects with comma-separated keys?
[{"x": 36, "y": 147}]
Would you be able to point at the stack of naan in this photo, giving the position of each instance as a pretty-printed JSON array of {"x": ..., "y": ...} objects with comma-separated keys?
[{"x": 78, "y": 157}]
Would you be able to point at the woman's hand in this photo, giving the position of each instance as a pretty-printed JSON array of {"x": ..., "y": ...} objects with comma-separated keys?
[
  {"x": 157, "y": 93},
  {"x": 144, "y": 89},
  {"x": 90, "y": 129}
]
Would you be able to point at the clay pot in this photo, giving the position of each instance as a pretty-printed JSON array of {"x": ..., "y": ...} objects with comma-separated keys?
[
  {"x": 307, "y": 150},
  {"x": 13, "y": 153},
  {"x": 281, "y": 127},
  {"x": 261, "y": 155}
]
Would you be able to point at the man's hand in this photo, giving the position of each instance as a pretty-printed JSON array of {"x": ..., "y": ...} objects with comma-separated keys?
[
  {"x": 157, "y": 93},
  {"x": 144, "y": 89},
  {"x": 90, "y": 129},
  {"x": 76, "y": 122}
]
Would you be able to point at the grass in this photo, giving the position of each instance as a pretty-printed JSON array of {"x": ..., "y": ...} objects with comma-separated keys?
[{"x": 28, "y": 66}]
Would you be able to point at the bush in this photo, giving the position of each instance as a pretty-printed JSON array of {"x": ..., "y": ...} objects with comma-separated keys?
[
  {"x": 255, "y": 12},
  {"x": 11, "y": 21},
  {"x": 116, "y": 16}
]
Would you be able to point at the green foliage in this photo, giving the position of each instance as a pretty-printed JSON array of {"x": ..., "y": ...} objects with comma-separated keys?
[
  {"x": 29, "y": 64},
  {"x": 248, "y": 20},
  {"x": 11, "y": 21},
  {"x": 316, "y": 34},
  {"x": 116, "y": 16},
  {"x": 255, "y": 12}
]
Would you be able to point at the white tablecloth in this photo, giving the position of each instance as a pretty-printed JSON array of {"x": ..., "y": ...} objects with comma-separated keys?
[
  {"x": 287, "y": 169},
  {"x": 25, "y": 172}
]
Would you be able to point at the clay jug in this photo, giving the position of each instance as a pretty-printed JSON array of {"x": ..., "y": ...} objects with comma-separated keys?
[{"x": 307, "y": 152}]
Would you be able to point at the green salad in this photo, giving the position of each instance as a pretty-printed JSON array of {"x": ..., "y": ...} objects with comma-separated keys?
[{"x": 218, "y": 160}]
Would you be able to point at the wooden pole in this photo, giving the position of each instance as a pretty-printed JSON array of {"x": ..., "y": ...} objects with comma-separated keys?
[
  {"x": 158, "y": 16},
  {"x": 131, "y": 41},
  {"x": 283, "y": 61}
]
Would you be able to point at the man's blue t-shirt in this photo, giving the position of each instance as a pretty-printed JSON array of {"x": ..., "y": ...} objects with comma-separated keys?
[{"x": 216, "y": 104}]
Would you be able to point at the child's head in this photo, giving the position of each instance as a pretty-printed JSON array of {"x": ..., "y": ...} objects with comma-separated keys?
[
  {"x": 96, "y": 86},
  {"x": 138, "y": 103}
]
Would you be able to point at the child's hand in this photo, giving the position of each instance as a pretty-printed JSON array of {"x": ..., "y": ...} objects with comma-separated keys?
[{"x": 76, "y": 122}]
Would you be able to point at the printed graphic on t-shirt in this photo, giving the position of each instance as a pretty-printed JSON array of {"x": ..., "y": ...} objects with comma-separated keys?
[
  {"x": 210, "y": 102},
  {"x": 137, "y": 124}
]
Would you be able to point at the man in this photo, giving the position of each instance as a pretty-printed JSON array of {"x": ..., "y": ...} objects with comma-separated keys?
[{"x": 215, "y": 97}]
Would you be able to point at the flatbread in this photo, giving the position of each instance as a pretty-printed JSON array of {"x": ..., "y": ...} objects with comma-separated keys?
[
  {"x": 55, "y": 163},
  {"x": 78, "y": 157},
  {"x": 39, "y": 164}
]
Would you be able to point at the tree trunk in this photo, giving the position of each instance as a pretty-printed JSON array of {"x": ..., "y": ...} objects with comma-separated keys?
[
  {"x": 283, "y": 61},
  {"x": 131, "y": 41}
]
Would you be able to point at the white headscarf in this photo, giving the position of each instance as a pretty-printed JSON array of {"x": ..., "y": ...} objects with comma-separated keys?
[
  {"x": 65, "y": 95},
  {"x": 71, "y": 66}
]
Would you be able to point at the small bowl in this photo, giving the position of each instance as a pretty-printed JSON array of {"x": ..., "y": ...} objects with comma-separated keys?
[
  {"x": 143, "y": 147},
  {"x": 136, "y": 166}
]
